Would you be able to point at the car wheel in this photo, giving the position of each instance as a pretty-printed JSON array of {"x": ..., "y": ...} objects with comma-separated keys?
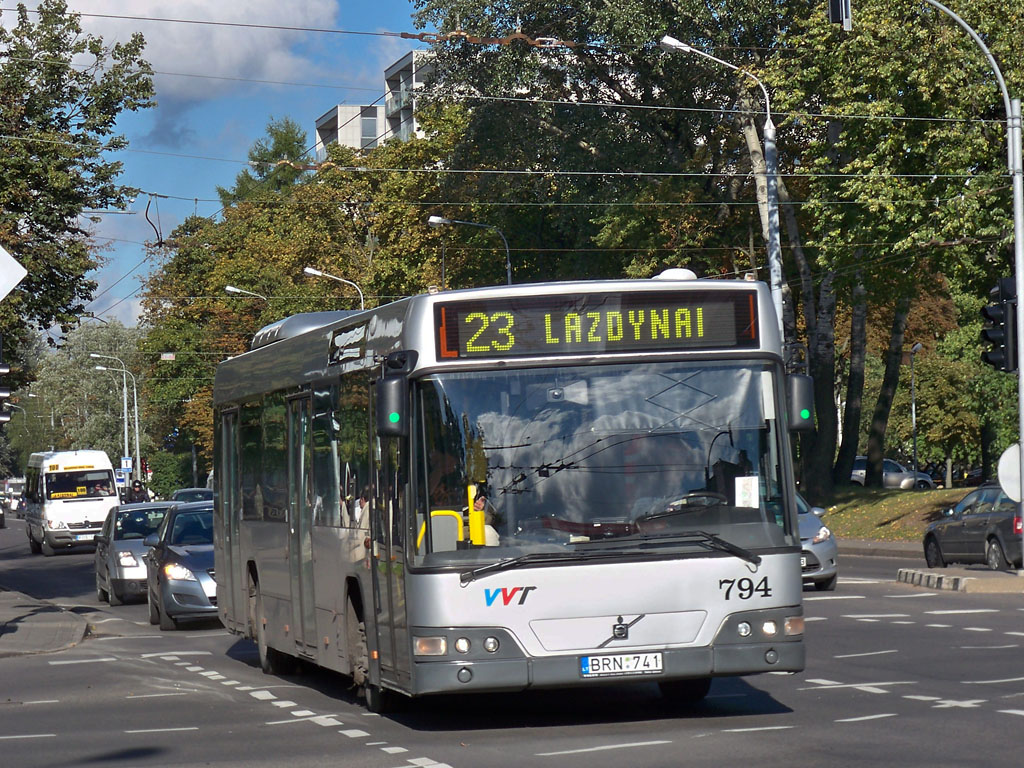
[
  {"x": 113, "y": 597},
  {"x": 994, "y": 556},
  {"x": 685, "y": 691},
  {"x": 101, "y": 593},
  {"x": 167, "y": 623},
  {"x": 33, "y": 545},
  {"x": 933, "y": 555},
  {"x": 827, "y": 585},
  {"x": 154, "y": 614},
  {"x": 923, "y": 485}
]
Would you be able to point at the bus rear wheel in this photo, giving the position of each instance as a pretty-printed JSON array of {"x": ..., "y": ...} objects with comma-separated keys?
[{"x": 685, "y": 691}]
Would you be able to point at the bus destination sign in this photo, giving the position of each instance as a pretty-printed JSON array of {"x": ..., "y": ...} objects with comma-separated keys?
[{"x": 596, "y": 323}]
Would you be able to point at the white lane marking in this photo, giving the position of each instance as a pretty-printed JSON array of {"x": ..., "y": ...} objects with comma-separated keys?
[
  {"x": 904, "y": 622},
  {"x": 210, "y": 634},
  {"x": 993, "y": 682},
  {"x": 163, "y": 654},
  {"x": 876, "y": 615},
  {"x": 42, "y": 701},
  {"x": 284, "y": 722},
  {"x": 303, "y": 713},
  {"x": 868, "y": 687},
  {"x": 822, "y": 681},
  {"x": 987, "y": 647},
  {"x": 834, "y": 597},
  {"x": 870, "y": 621},
  {"x": 914, "y": 594},
  {"x": 29, "y": 736},
  {"x": 154, "y": 695},
  {"x": 81, "y": 661},
  {"x": 393, "y": 750},
  {"x": 977, "y": 629},
  {"x": 210, "y": 673},
  {"x": 961, "y": 611},
  {"x": 1015, "y": 634},
  {"x": 164, "y": 730},
  {"x": 860, "y": 580},
  {"x": 424, "y": 761},
  {"x": 133, "y": 637},
  {"x": 815, "y": 618},
  {"x": 954, "y": 704},
  {"x": 262, "y": 695},
  {"x": 604, "y": 748},
  {"x": 354, "y": 733},
  {"x": 284, "y": 704},
  {"x": 939, "y": 626},
  {"x": 229, "y": 682},
  {"x": 866, "y": 717},
  {"x": 755, "y": 730},
  {"x": 869, "y": 653},
  {"x": 1013, "y": 712},
  {"x": 115, "y": 618},
  {"x": 325, "y": 720},
  {"x": 922, "y": 698},
  {"x": 194, "y": 668},
  {"x": 375, "y": 743}
]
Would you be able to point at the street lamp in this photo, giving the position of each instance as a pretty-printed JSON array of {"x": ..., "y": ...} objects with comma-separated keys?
[
  {"x": 771, "y": 162},
  {"x": 913, "y": 402},
  {"x": 242, "y": 291},
  {"x": 135, "y": 404},
  {"x": 441, "y": 221},
  {"x": 318, "y": 273}
]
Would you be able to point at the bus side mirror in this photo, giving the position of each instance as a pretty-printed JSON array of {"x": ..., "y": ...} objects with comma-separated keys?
[
  {"x": 800, "y": 400},
  {"x": 393, "y": 406}
]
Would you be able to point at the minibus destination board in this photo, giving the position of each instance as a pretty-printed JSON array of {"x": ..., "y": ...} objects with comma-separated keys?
[{"x": 596, "y": 323}]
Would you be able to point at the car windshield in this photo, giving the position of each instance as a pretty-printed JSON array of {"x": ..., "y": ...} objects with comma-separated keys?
[
  {"x": 192, "y": 528},
  {"x": 138, "y": 523},
  {"x": 574, "y": 458},
  {"x": 195, "y": 494},
  {"x": 80, "y": 484}
]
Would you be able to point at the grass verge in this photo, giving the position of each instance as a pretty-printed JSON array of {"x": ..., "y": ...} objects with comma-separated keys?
[{"x": 887, "y": 515}]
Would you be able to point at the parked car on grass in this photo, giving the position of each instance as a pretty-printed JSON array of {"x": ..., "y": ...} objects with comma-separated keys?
[
  {"x": 894, "y": 475},
  {"x": 118, "y": 562},
  {"x": 982, "y": 528},
  {"x": 179, "y": 565},
  {"x": 819, "y": 558}
]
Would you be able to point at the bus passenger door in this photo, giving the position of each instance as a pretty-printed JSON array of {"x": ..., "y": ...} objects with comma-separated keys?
[
  {"x": 393, "y": 642},
  {"x": 229, "y": 501},
  {"x": 300, "y": 526}
]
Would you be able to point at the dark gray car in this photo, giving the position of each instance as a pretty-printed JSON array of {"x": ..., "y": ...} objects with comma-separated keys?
[
  {"x": 180, "y": 566},
  {"x": 982, "y": 528}
]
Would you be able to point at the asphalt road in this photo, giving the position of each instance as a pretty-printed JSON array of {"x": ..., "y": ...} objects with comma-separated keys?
[{"x": 896, "y": 675}]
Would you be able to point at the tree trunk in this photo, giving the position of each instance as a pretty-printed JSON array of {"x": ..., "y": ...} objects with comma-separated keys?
[
  {"x": 880, "y": 418},
  {"x": 854, "y": 387}
]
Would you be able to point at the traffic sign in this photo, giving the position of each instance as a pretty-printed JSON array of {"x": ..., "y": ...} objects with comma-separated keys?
[
  {"x": 11, "y": 273},
  {"x": 126, "y": 463},
  {"x": 1008, "y": 472}
]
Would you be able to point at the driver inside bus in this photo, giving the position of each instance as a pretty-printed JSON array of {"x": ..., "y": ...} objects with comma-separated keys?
[{"x": 491, "y": 517}]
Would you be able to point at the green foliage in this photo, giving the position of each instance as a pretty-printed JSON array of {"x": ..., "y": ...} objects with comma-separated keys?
[
  {"x": 171, "y": 471},
  {"x": 277, "y": 162},
  {"x": 61, "y": 92}
]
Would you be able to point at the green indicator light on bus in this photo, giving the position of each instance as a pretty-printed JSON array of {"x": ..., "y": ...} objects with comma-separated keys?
[
  {"x": 394, "y": 418},
  {"x": 805, "y": 413}
]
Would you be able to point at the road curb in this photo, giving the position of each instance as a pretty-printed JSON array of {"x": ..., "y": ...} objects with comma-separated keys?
[
  {"x": 992, "y": 583},
  {"x": 30, "y": 626}
]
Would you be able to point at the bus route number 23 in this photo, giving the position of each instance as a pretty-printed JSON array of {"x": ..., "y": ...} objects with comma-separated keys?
[
  {"x": 744, "y": 588},
  {"x": 494, "y": 332}
]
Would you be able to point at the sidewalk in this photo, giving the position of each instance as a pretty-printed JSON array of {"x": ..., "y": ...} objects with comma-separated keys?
[{"x": 29, "y": 626}]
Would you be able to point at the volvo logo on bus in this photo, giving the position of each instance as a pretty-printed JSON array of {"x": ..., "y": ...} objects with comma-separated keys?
[
  {"x": 507, "y": 595},
  {"x": 620, "y": 631}
]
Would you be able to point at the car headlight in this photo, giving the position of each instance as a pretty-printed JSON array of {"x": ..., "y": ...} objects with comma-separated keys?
[
  {"x": 177, "y": 572},
  {"x": 56, "y": 525},
  {"x": 126, "y": 560},
  {"x": 823, "y": 534}
]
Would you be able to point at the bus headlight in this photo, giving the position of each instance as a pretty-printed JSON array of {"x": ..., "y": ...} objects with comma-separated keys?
[
  {"x": 491, "y": 644},
  {"x": 794, "y": 625},
  {"x": 56, "y": 525},
  {"x": 177, "y": 572},
  {"x": 430, "y": 646},
  {"x": 770, "y": 628},
  {"x": 743, "y": 629},
  {"x": 126, "y": 560},
  {"x": 462, "y": 645}
]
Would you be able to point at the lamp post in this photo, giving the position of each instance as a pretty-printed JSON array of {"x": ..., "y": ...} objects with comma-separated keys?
[
  {"x": 318, "y": 273},
  {"x": 771, "y": 162},
  {"x": 913, "y": 402},
  {"x": 242, "y": 291},
  {"x": 441, "y": 221},
  {"x": 135, "y": 405}
]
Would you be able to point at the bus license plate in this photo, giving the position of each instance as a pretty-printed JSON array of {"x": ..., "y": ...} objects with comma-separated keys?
[{"x": 621, "y": 664}]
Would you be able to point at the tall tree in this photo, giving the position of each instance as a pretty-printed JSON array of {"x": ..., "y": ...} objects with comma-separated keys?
[
  {"x": 278, "y": 161},
  {"x": 61, "y": 92}
]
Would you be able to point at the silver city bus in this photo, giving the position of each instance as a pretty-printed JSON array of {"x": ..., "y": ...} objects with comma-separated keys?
[{"x": 530, "y": 486}]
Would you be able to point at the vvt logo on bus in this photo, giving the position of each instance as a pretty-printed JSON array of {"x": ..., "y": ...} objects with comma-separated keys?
[{"x": 507, "y": 595}]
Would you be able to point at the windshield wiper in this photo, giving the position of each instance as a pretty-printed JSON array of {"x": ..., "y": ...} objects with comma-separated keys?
[
  {"x": 513, "y": 562},
  {"x": 713, "y": 541}
]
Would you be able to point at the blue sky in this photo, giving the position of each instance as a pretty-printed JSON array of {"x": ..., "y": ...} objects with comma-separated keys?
[{"x": 200, "y": 134}]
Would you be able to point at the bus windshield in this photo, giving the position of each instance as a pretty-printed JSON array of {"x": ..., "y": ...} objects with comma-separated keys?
[
  {"x": 630, "y": 458},
  {"x": 80, "y": 484}
]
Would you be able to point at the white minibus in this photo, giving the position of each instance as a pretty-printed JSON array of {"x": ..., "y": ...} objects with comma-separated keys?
[{"x": 68, "y": 496}]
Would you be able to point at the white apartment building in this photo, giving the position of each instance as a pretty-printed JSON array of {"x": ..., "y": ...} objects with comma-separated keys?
[{"x": 365, "y": 126}]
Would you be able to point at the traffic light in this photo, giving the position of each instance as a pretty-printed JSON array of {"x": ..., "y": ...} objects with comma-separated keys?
[
  {"x": 5, "y": 389},
  {"x": 1001, "y": 326}
]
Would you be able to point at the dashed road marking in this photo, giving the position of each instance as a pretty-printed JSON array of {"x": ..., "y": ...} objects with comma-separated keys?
[
  {"x": 834, "y": 597},
  {"x": 603, "y": 748},
  {"x": 283, "y": 704},
  {"x": 1013, "y": 712},
  {"x": 29, "y": 736},
  {"x": 755, "y": 730},
  {"x": 81, "y": 661},
  {"x": 858, "y": 655},
  {"x": 866, "y": 687},
  {"x": 354, "y": 733},
  {"x": 939, "y": 626},
  {"x": 962, "y": 611},
  {"x": 163, "y": 730},
  {"x": 876, "y": 615},
  {"x": 954, "y": 704},
  {"x": 977, "y": 629},
  {"x": 921, "y": 698},
  {"x": 994, "y": 682},
  {"x": 393, "y": 750},
  {"x": 988, "y": 647},
  {"x": 262, "y": 695},
  {"x": 913, "y": 594},
  {"x": 866, "y": 717},
  {"x": 156, "y": 695}
]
